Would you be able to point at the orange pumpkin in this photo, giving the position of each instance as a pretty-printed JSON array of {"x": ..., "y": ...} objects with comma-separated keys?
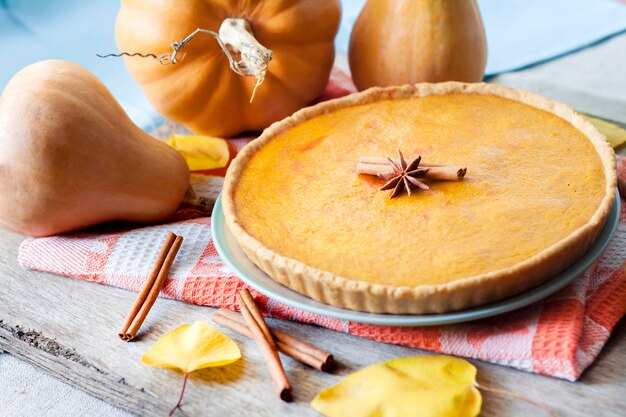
[
  {"x": 201, "y": 90},
  {"x": 397, "y": 42}
]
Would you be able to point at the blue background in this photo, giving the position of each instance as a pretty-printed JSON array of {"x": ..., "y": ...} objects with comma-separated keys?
[{"x": 519, "y": 33}]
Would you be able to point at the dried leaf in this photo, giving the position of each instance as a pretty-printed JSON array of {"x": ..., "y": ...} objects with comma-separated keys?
[
  {"x": 202, "y": 153},
  {"x": 614, "y": 134},
  {"x": 192, "y": 347},
  {"x": 419, "y": 386}
]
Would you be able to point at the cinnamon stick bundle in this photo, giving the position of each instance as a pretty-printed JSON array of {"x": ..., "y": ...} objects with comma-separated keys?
[
  {"x": 151, "y": 288},
  {"x": 287, "y": 344},
  {"x": 261, "y": 335}
]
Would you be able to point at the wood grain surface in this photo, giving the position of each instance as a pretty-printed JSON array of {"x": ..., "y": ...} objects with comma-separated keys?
[{"x": 68, "y": 328}]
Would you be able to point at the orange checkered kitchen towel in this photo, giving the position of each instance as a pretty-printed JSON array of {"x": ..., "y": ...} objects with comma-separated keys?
[{"x": 559, "y": 336}]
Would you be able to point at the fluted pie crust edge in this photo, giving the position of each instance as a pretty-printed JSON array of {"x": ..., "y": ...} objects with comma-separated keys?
[{"x": 460, "y": 294}]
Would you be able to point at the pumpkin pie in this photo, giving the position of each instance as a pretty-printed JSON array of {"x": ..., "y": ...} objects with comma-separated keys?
[{"x": 539, "y": 185}]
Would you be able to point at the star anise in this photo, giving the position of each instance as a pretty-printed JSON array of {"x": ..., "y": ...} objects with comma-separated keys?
[{"x": 404, "y": 176}]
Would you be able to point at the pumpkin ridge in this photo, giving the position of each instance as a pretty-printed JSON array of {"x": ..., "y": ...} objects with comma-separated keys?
[
  {"x": 236, "y": 89},
  {"x": 210, "y": 82}
]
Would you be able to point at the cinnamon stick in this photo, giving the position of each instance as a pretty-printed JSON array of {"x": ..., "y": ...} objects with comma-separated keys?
[
  {"x": 287, "y": 344},
  {"x": 247, "y": 299},
  {"x": 378, "y": 160},
  {"x": 148, "y": 284},
  {"x": 438, "y": 172},
  {"x": 155, "y": 290},
  {"x": 249, "y": 312},
  {"x": 242, "y": 329}
]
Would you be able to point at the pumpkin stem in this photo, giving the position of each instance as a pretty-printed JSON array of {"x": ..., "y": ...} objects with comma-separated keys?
[
  {"x": 237, "y": 35},
  {"x": 194, "y": 201},
  {"x": 247, "y": 57}
]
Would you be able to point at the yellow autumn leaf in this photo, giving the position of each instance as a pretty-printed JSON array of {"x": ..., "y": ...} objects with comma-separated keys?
[
  {"x": 614, "y": 134},
  {"x": 419, "y": 386},
  {"x": 192, "y": 347},
  {"x": 202, "y": 153}
]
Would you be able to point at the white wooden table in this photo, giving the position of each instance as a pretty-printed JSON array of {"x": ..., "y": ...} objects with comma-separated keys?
[{"x": 67, "y": 328}]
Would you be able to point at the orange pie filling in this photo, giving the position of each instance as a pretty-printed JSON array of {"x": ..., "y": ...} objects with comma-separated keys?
[{"x": 532, "y": 179}]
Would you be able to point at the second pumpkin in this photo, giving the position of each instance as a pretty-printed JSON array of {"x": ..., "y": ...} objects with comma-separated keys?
[{"x": 397, "y": 42}]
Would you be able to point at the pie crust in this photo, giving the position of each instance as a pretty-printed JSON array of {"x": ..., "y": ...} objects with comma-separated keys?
[{"x": 422, "y": 299}]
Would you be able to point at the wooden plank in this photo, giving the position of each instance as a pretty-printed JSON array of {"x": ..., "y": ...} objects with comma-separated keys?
[{"x": 73, "y": 338}]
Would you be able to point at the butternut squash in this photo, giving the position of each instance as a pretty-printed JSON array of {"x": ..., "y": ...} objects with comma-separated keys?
[
  {"x": 70, "y": 157},
  {"x": 397, "y": 42}
]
